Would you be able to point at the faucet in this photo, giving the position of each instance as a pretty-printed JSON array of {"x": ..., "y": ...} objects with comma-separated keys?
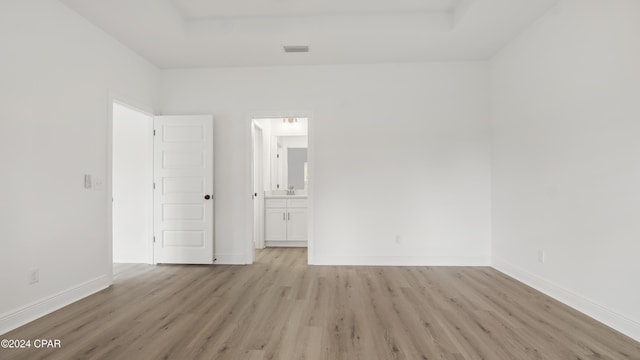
[{"x": 291, "y": 190}]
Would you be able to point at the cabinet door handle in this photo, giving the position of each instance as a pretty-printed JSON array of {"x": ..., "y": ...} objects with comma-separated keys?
[{"x": 284, "y": 217}]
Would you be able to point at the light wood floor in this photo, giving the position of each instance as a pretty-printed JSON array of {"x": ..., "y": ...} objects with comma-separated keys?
[{"x": 280, "y": 308}]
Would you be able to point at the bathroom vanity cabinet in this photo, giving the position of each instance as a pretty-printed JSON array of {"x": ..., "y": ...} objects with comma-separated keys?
[{"x": 285, "y": 221}]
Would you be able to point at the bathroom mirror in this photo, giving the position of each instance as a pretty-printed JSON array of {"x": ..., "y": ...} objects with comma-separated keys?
[
  {"x": 289, "y": 162},
  {"x": 297, "y": 166}
]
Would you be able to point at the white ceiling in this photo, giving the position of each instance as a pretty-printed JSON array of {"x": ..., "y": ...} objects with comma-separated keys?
[{"x": 212, "y": 33}]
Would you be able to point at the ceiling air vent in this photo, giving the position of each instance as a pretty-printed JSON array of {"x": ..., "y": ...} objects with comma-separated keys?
[{"x": 296, "y": 48}]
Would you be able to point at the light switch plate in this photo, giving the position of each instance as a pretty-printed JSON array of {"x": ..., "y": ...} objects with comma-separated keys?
[{"x": 98, "y": 184}]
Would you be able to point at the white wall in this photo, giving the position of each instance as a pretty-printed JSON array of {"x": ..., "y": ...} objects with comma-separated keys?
[
  {"x": 566, "y": 169},
  {"x": 400, "y": 150},
  {"x": 56, "y": 71},
  {"x": 132, "y": 179},
  {"x": 294, "y": 141}
]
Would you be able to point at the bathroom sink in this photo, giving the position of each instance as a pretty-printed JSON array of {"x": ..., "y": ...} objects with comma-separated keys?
[{"x": 284, "y": 193}]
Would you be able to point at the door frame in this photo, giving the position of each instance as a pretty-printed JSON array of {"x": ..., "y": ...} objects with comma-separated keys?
[
  {"x": 116, "y": 98},
  {"x": 258, "y": 234},
  {"x": 248, "y": 126}
]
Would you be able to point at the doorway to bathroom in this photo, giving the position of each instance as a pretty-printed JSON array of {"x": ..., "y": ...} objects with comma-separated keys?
[{"x": 280, "y": 167}]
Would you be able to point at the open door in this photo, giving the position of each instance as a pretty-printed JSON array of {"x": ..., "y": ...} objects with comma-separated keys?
[{"x": 183, "y": 189}]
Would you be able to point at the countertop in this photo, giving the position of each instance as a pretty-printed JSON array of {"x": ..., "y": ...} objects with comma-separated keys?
[{"x": 286, "y": 196}]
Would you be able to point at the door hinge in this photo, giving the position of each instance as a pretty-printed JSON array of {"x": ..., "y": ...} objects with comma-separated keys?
[
  {"x": 278, "y": 156},
  {"x": 154, "y": 186},
  {"x": 154, "y": 239},
  {"x": 154, "y": 132}
]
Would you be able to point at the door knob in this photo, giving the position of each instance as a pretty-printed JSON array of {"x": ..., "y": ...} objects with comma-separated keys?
[{"x": 207, "y": 197}]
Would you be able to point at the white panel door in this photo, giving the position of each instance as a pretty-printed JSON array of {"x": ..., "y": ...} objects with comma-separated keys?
[{"x": 183, "y": 194}]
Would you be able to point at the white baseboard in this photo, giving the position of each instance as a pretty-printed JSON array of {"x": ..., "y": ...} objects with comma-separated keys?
[
  {"x": 18, "y": 317},
  {"x": 230, "y": 259},
  {"x": 286, "y": 243},
  {"x": 596, "y": 311},
  {"x": 402, "y": 260}
]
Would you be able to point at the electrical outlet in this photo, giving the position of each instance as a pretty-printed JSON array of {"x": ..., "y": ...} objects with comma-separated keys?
[
  {"x": 34, "y": 276},
  {"x": 541, "y": 256}
]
